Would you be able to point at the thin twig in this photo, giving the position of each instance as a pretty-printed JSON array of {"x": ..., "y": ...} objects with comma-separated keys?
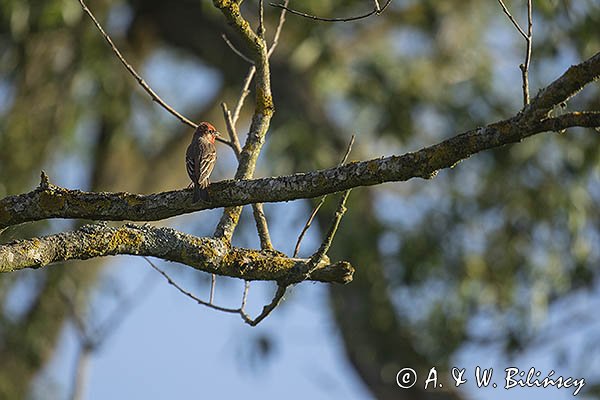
[
  {"x": 525, "y": 66},
  {"x": 376, "y": 10},
  {"x": 528, "y": 40},
  {"x": 133, "y": 72},
  {"x": 245, "y": 295},
  {"x": 278, "y": 30},
  {"x": 155, "y": 97},
  {"x": 326, "y": 244},
  {"x": 512, "y": 19},
  {"x": 190, "y": 295},
  {"x": 261, "y": 20},
  {"x": 387, "y": 3},
  {"x": 308, "y": 224},
  {"x": 318, "y": 256},
  {"x": 231, "y": 131},
  {"x": 266, "y": 309},
  {"x": 241, "y": 311},
  {"x": 243, "y": 94},
  {"x": 320, "y": 204},
  {"x": 225, "y": 142},
  {"x": 235, "y": 50},
  {"x": 377, "y": 7},
  {"x": 262, "y": 227},
  {"x": 213, "y": 282}
]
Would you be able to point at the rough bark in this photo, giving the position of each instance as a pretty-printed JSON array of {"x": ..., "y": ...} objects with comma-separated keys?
[
  {"x": 205, "y": 254},
  {"x": 50, "y": 201}
]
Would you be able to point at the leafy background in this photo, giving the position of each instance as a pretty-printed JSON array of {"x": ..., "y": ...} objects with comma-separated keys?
[{"x": 492, "y": 262}]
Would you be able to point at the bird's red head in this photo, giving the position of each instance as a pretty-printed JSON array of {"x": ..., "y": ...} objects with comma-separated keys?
[{"x": 206, "y": 129}]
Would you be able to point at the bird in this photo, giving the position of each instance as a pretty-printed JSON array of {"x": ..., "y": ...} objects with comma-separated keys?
[{"x": 200, "y": 159}]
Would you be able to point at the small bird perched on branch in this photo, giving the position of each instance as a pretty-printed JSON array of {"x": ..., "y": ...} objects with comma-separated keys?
[{"x": 200, "y": 159}]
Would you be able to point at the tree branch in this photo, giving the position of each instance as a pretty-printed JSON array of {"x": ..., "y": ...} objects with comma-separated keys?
[
  {"x": 562, "y": 89},
  {"x": 229, "y": 220},
  {"x": 528, "y": 40},
  {"x": 328, "y": 239},
  {"x": 376, "y": 10},
  {"x": 204, "y": 254},
  {"x": 525, "y": 66},
  {"x": 278, "y": 30},
  {"x": 235, "y": 50},
  {"x": 153, "y": 95},
  {"x": 257, "y": 208},
  {"x": 262, "y": 114},
  {"x": 319, "y": 205},
  {"x": 277, "y": 297},
  {"x": 512, "y": 19},
  {"x": 186, "y": 293},
  {"x": 133, "y": 72},
  {"x": 50, "y": 201}
]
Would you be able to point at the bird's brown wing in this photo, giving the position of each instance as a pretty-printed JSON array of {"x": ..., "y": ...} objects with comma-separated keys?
[
  {"x": 205, "y": 162},
  {"x": 190, "y": 161}
]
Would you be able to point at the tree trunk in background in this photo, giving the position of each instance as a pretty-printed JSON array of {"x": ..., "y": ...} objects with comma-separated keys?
[{"x": 377, "y": 343}]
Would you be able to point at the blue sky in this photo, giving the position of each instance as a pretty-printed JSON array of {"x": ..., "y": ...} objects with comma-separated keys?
[{"x": 170, "y": 347}]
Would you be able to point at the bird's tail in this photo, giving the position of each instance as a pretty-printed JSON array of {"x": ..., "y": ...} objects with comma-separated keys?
[{"x": 199, "y": 194}]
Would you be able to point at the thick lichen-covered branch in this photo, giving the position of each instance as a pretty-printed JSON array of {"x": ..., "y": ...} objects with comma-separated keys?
[
  {"x": 205, "y": 254},
  {"x": 50, "y": 201}
]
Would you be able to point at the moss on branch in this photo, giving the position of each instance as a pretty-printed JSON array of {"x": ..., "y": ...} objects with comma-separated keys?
[{"x": 204, "y": 254}]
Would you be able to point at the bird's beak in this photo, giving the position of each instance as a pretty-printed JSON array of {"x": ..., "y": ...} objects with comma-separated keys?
[{"x": 218, "y": 134}]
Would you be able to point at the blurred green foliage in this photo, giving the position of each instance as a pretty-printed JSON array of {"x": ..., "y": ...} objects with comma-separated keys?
[{"x": 498, "y": 239}]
